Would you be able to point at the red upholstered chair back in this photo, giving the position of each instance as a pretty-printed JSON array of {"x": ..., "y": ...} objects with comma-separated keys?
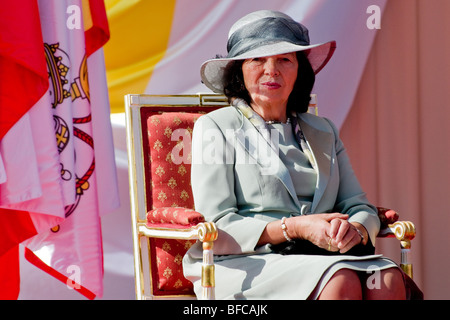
[
  {"x": 169, "y": 185},
  {"x": 169, "y": 147}
]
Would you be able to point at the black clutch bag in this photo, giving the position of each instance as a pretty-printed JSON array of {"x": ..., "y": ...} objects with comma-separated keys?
[{"x": 306, "y": 247}]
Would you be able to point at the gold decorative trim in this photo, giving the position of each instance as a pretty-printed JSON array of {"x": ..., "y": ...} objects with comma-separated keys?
[{"x": 208, "y": 278}]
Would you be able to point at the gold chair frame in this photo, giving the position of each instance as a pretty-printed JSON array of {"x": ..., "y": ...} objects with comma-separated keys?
[{"x": 205, "y": 232}]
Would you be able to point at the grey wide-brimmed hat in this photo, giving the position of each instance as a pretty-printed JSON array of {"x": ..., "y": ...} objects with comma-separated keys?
[{"x": 261, "y": 34}]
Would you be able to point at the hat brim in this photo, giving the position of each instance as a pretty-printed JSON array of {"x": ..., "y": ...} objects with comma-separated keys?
[{"x": 212, "y": 71}]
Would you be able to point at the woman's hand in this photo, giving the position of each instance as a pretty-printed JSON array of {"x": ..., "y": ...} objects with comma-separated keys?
[
  {"x": 317, "y": 228},
  {"x": 330, "y": 231},
  {"x": 344, "y": 235}
]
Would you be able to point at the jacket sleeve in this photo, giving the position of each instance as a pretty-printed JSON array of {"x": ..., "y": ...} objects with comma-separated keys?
[
  {"x": 213, "y": 180},
  {"x": 351, "y": 199}
]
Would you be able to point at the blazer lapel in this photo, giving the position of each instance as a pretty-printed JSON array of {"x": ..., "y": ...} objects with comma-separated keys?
[
  {"x": 266, "y": 155},
  {"x": 321, "y": 144}
]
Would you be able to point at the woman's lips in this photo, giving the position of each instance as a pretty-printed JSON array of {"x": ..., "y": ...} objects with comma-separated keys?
[{"x": 271, "y": 85}]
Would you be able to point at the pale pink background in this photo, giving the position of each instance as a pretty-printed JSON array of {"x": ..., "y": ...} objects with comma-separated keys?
[{"x": 398, "y": 133}]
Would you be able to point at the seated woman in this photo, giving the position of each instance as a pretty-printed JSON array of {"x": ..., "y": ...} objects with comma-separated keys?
[{"x": 293, "y": 221}]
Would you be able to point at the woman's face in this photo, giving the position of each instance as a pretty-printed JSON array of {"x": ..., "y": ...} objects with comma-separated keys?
[{"x": 270, "y": 80}]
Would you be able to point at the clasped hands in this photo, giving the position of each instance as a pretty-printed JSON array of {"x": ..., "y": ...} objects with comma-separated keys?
[{"x": 330, "y": 231}]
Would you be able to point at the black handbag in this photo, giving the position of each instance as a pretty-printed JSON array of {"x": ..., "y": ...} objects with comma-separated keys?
[{"x": 306, "y": 247}]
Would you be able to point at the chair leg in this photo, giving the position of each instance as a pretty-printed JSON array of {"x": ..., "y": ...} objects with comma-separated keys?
[
  {"x": 208, "y": 272},
  {"x": 405, "y": 231},
  {"x": 406, "y": 263},
  {"x": 208, "y": 233}
]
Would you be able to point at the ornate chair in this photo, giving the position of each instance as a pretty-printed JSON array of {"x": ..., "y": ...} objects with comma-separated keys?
[{"x": 164, "y": 221}]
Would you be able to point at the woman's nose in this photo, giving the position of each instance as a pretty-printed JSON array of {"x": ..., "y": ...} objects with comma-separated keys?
[{"x": 271, "y": 67}]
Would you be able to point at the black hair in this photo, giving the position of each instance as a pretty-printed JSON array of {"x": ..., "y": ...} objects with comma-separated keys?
[{"x": 300, "y": 96}]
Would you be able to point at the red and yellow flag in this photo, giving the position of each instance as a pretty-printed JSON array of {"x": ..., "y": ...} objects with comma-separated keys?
[{"x": 56, "y": 141}]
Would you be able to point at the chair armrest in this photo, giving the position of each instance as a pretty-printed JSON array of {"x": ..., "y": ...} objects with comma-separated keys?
[
  {"x": 185, "y": 224},
  {"x": 204, "y": 231},
  {"x": 174, "y": 216},
  {"x": 178, "y": 223},
  {"x": 404, "y": 231},
  {"x": 390, "y": 227}
]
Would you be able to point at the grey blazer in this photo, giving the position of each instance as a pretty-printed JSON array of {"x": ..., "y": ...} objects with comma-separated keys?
[{"x": 240, "y": 183}]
